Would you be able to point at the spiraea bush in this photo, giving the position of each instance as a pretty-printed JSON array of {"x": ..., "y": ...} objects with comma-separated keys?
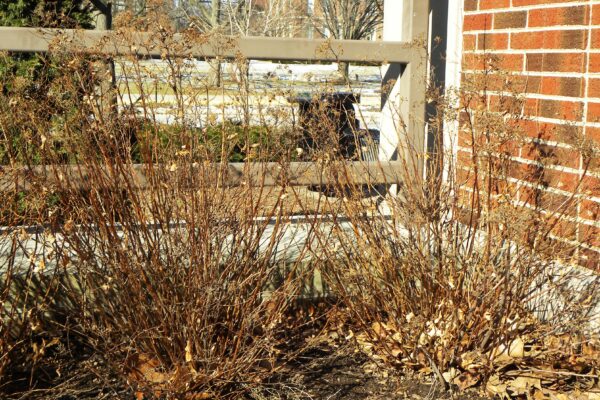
[
  {"x": 163, "y": 279},
  {"x": 467, "y": 274}
]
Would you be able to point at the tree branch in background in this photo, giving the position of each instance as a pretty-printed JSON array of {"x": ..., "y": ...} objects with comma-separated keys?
[{"x": 348, "y": 19}]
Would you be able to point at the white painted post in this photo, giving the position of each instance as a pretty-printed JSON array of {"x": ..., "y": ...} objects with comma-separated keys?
[
  {"x": 392, "y": 31},
  {"x": 453, "y": 72},
  {"x": 402, "y": 108}
]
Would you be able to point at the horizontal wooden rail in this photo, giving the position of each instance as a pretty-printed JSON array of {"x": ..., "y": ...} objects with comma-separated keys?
[
  {"x": 217, "y": 174},
  {"x": 115, "y": 43}
]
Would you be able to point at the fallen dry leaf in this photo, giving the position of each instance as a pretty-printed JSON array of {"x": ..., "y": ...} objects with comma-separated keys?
[
  {"x": 504, "y": 355},
  {"x": 471, "y": 361},
  {"x": 465, "y": 380},
  {"x": 396, "y": 350},
  {"x": 495, "y": 387},
  {"x": 380, "y": 330},
  {"x": 524, "y": 385},
  {"x": 450, "y": 375},
  {"x": 143, "y": 367}
]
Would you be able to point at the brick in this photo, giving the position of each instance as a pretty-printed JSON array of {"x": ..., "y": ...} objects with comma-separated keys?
[
  {"x": 563, "y": 133},
  {"x": 559, "y": 39},
  {"x": 590, "y": 210},
  {"x": 469, "y": 42},
  {"x": 593, "y": 114},
  {"x": 521, "y": 171},
  {"x": 550, "y": 155},
  {"x": 544, "y": 176},
  {"x": 596, "y": 15},
  {"x": 558, "y": 16},
  {"x": 544, "y": 200},
  {"x": 473, "y": 81},
  {"x": 525, "y": 84},
  {"x": 464, "y": 119},
  {"x": 567, "y": 110},
  {"x": 472, "y": 102},
  {"x": 590, "y": 234},
  {"x": 594, "y": 87},
  {"x": 592, "y": 163},
  {"x": 593, "y": 134},
  {"x": 506, "y": 104},
  {"x": 590, "y": 185},
  {"x": 557, "y": 62},
  {"x": 594, "y": 65},
  {"x": 556, "y": 109},
  {"x": 563, "y": 228},
  {"x": 510, "y": 20},
  {"x": 465, "y": 177},
  {"x": 464, "y": 158},
  {"x": 570, "y": 87},
  {"x": 538, "y": 130},
  {"x": 518, "y": 3},
  {"x": 509, "y": 62},
  {"x": 473, "y": 62},
  {"x": 465, "y": 139},
  {"x": 595, "y": 39},
  {"x": 478, "y": 22},
  {"x": 553, "y": 86},
  {"x": 560, "y": 180},
  {"x": 470, "y": 5},
  {"x": 492, "y": 41},
  {"x": 510, "y": 147},
  {"x": 505, "y": 62},
  {"x": 590, "y": 259},
  {"x": 531, "y": 107},
  {"x": 491, "y": 4},
  {"x": 511, "y": 83}
]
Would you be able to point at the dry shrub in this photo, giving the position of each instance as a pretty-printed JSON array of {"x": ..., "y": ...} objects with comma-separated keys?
[
  {"x": 162, "y": 275},
  {"x": 455, "y": 271},
  {"x": 30, "y": 316},
  {"x": 173, "y": 280}
]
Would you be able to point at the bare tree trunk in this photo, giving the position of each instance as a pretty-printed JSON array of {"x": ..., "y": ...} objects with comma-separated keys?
[
  {"x": 214, "y": 77},
  {"x": 344, "y": 69}
]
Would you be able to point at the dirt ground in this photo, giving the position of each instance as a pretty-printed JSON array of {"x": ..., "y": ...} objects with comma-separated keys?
[
  {"x": 343, "y": 374},
  {"x": 321, "y": 373}
]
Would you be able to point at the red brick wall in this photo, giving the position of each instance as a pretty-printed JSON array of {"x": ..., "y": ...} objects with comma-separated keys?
[{"x": 551, "y": 50}]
